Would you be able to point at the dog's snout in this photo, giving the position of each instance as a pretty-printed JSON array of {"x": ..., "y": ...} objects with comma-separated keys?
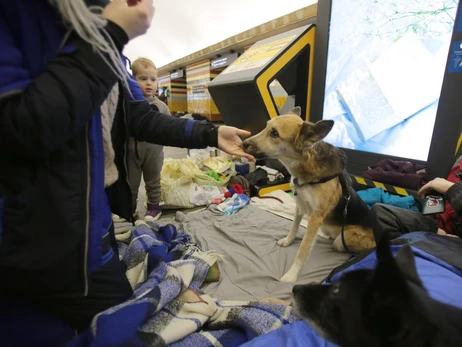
[{"x": 251, "y": 146}]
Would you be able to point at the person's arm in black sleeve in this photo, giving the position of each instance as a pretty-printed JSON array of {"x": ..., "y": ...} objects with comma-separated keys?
[
  {"x": 149, "y": 125},
  {"x": 39, "y": 115},
  {"x": 454, "y": 197}
]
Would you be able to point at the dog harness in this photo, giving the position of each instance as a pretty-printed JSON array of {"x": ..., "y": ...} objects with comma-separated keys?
[
  {"x": 345, "y": 213},
  {"x": 347, "y": 197},
  {"x": 322, "y": 180}
]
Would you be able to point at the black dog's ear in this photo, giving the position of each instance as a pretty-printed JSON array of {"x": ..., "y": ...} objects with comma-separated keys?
[
  {"x": 387, "y": 267},
  {"x": 406, "y": 263},
  {"x": 386, "y": 296},
  {"x": 403, "y": 265},
  {"x": 383, "y": 250},
  {"x": 296, "y": 111},
  {"x": 388, "y": 280},
  {"x": 312, "y": 133}
]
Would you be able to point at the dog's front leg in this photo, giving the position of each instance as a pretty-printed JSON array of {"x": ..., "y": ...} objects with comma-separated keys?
[
  {"x": 287, "y": 241},
  {"x": 314, "y": 222}
]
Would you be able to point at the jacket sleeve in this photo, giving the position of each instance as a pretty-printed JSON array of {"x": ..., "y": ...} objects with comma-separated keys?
[
  {"x": 147, "y": 124},
  {"x": 38, "y": 115},
  {"x": 454, "y": 197}
]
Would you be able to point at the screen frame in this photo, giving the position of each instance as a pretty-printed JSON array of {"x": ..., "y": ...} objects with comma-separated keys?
[{"x": 442, "y": 151}]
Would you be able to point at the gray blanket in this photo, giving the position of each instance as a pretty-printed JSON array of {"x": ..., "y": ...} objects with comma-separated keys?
[{"x": 255, "y": 263}]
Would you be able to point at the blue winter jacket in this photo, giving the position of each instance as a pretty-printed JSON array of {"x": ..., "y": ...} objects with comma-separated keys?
[{"x": 54, "y": 208}]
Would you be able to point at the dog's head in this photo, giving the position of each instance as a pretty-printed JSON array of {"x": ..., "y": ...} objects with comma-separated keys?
[
  {"x": 366, "y": 307},
  {"x": 286, "y": 136}
]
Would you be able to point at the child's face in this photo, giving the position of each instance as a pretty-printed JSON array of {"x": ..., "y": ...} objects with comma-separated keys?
[{"x": 147, "y": 79}]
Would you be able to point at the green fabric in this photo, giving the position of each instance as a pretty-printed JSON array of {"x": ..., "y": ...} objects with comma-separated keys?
[{"x": 214, "y": 175}]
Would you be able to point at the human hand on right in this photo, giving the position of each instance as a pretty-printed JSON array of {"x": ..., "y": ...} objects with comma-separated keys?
[
  {"x": 438, "y": 184},
  {"x": 133, "y": 16},
  {"x": 444, "y": 233}
]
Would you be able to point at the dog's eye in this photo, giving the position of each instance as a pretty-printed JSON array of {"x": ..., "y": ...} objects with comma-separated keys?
[
  {"x": 274, "y": 133},
  {"x": 335, "y": 288}
]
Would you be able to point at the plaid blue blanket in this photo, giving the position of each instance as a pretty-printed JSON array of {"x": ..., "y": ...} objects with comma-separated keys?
[{"x": 166, "y": 271}]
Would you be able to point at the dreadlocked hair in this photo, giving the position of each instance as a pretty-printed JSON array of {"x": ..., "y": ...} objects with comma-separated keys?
[{"x": 89, "y": 24}]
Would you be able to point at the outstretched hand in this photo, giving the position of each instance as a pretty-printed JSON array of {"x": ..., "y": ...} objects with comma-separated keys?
[
  {"x": 230, "y": 142},
  {"x": 438, "y": 184}
]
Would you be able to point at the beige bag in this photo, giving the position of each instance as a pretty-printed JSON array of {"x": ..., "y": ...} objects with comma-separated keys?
[{"x": 179, "y": 175}]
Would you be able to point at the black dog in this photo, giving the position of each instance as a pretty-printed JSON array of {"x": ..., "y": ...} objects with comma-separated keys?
[{"x": 388, "y": 306}]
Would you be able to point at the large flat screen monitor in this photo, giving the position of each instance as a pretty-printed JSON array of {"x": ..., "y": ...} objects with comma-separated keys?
[{"x": 380, "y": 66}]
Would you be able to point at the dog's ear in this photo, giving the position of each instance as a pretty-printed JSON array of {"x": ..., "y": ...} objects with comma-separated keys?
[
  {"x": 383, "y": 251},
  {"x": 312, "y": 133},
  {"x": 406, "y": 263},
  {"x": 386, "y": 296},
  {"x": 296, "y": 111},
  {"x": 403, "y": 265},
  {"x": 388, "y": 279},
  {"x": 387, "y": 267},
  {"x": 321, "y": 129}
]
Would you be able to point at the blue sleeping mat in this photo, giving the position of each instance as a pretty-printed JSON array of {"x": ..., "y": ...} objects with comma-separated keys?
[{"x": 439, "y": 264}]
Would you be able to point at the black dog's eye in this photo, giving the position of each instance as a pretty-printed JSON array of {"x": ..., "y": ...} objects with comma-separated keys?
[
  {"x": 335, "y": 288},
  {"x": 274, "y": 133}
]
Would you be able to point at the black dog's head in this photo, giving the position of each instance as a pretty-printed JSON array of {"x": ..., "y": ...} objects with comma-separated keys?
[{"x": 387, "y": 306}]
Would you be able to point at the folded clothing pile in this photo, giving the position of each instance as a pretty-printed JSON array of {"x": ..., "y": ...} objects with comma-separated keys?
[{"x": 398, "y": 173}]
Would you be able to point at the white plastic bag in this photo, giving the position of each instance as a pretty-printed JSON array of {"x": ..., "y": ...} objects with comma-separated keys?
[{"x": 202, "y": 195}]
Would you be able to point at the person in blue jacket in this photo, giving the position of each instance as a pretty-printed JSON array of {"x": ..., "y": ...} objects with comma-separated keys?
[{"x": 67, "y": 109}]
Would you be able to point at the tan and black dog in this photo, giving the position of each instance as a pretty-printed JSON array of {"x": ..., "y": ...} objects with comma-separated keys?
[{"x": 321, "y": 185}]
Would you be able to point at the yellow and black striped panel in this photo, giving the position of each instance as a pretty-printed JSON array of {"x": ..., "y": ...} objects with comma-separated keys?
[
  {"x": 367, "y": 183},
  {"x": 359, "y": 183}
]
